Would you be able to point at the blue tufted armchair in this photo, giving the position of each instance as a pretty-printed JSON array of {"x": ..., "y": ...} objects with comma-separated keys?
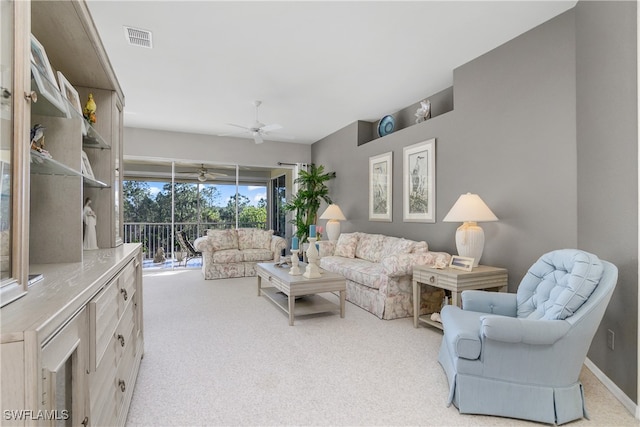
[{"x": 520, "y": 355}]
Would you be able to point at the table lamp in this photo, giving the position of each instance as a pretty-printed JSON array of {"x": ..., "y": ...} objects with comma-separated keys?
[
  {"x": 470, "y": 209},
  {"x": 334, "y": 215}
]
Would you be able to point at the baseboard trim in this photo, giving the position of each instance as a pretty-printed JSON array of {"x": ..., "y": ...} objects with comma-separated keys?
[{"x": 614, "y": 389}]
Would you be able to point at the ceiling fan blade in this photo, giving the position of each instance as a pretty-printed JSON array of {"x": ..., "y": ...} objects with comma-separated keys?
[
  {"x": 239, "y": 126},
  {"x": 270, "y": 128},
  {"x": 213, "y": 175}
]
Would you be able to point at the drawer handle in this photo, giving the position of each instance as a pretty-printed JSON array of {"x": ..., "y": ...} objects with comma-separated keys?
[
  {"x": 85, "y": 422},
  {"x": 122, "y": 385},
  {"x": 124, "y": 294},
  {"x": 121, "y": 339},
  {"x": 432, "y": 279}
]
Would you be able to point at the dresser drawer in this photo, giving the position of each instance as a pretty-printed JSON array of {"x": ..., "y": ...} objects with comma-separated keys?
[
  {"x": 126, "y": 285},
  {"x": 103, "y": 318},
  {"x": 103, "y": 391},
  {"x": 425, "y": 277},
  {"x": 124, "y": 336},
  {"x": 125, "y": 380}
]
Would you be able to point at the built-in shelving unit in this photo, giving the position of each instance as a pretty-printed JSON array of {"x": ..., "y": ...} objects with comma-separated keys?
[{"x": 88, "y": 302}]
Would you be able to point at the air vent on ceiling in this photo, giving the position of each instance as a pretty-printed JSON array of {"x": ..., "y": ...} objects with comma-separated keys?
[{"x": 138, "y": 37}]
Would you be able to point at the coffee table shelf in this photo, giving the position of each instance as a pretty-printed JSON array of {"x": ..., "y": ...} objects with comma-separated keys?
[
  {"x": 283, "y": 288},
  {"x": 308, "y": 304}
]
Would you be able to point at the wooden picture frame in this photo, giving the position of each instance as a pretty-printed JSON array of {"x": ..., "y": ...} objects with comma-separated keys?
[
  {"x": 461, "y": 263},
  {"x": 86, "y": 166},
  {"x": 380, "y": 187},
  {"x": 419, "y": 182}
]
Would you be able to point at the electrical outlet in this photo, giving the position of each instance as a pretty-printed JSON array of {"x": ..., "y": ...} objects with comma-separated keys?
[{"x": 611, "y": 338}]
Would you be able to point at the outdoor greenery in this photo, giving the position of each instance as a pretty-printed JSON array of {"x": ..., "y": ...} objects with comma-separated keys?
[
  {"x": 140, "y": 205},
  {"x": 305, "y": 204},
  {"x": 194, "y": 204}
]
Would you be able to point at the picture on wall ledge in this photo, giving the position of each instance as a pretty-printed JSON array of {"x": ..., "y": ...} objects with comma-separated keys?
[
  {"x": 419, "y": 182},
  {"x": 380, "y": 187}
]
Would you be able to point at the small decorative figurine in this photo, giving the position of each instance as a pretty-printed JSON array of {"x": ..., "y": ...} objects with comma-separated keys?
[
  {"x": 89, "y": 218},
  {"x": 89, "y": 111},
  {"x": 159, "y": 256},
  {"x": 37, "y": 135},
  {"x": 424, "y": 112}
]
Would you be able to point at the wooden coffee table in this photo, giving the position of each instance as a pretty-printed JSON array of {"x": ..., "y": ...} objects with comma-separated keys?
[{"x": 283, "y": 288}]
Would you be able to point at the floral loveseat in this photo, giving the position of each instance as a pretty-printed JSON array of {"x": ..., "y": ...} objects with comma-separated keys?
[
  {"x": 379, "y": 271},
  {"x": 235, "y": 253}
]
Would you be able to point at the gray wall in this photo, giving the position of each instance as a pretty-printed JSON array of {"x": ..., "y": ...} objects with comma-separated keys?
[
  {"x": 607, "y": 131},
  {"x": 214, "y": 149},
  {"x": 510, "y": 138},
  {"x": 537, "y": 131}
]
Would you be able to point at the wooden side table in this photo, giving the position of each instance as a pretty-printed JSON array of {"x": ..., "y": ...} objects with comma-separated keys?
[{"x": 455, "y": 281}]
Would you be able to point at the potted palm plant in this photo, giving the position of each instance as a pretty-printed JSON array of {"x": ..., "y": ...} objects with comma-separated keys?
[{"x": 305, "y": 204}]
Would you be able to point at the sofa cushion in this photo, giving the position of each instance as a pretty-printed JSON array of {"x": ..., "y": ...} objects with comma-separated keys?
[
  {"x": 369, "y": 247},
  {"x": 346, "y": 245},
  {"x": 367, "y": 273},
  {"x": 254, "y": 238},
  {"x": 395, "y": 246},
  {"x": 223, "y": 239},
  {"x": 245, "y": 238},
  {"x": 262, "y": 239},
  {"x": 226, "y": 256},
  {"x": 257, "y": 255},
  {"x": 558, "y": 284},
  {"x": 420, "y": 247}
]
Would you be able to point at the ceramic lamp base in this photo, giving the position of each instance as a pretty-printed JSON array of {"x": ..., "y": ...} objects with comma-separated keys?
[{"x": 470, "y": 241}]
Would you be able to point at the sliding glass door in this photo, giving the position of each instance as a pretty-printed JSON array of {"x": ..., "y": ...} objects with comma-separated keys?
[{"x": 163, "y": 199}]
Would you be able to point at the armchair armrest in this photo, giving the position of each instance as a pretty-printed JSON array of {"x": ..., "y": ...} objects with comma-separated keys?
[
  {"x": 203, "y": 244},
  {"x": 278, "y": 244},
  {"x": 526, "y": 331},
  {"x": 490, "y": 302},
  {"x": 402, "y": 264}
]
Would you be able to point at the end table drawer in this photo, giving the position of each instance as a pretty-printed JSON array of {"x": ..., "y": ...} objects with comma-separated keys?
[{"x": 426, "y": 277}]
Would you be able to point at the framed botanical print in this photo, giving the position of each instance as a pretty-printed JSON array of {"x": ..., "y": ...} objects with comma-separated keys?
[
  {"x": 380, "y": 187},
  {"x": 419, "y": 182}
]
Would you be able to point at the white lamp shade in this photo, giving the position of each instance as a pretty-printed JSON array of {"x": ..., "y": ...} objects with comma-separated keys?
[
  {"x": 333, "y": 212},
  {"x": 334, "y": 215},
  {"x": 470, "y": 209}
]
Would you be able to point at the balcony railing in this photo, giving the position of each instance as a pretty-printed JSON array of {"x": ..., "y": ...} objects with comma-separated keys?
[{"x": 158, "y": 235}]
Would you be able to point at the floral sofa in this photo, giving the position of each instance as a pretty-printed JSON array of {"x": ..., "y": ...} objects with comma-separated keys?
[
  {"x": 235, "y": 252},
  {"x": 379, "y": 271}
]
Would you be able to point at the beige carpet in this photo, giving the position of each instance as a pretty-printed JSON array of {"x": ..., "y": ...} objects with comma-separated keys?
[{"x": 217, "y": 354}]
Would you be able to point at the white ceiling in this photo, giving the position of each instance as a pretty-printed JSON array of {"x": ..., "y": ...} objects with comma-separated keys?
[{"x": 316, "y": 66}]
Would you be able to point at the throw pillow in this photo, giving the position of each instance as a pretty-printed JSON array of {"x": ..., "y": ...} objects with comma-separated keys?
[
  {"x": 346, "y": 245},
  {"x": 370, "y": 247},
  {"x": 245, "y": 238},
  {"x": 262, "y": 239},
  {"x": 223, "y": 239}
]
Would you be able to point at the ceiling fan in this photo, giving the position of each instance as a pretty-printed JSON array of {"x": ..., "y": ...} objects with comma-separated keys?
[
  {"x": 258, "y": 129},
  {"x": 202, "y": 174}
]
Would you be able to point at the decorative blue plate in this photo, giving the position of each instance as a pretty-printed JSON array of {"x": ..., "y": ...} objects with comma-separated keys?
[{"x": 386, "y": 125}]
